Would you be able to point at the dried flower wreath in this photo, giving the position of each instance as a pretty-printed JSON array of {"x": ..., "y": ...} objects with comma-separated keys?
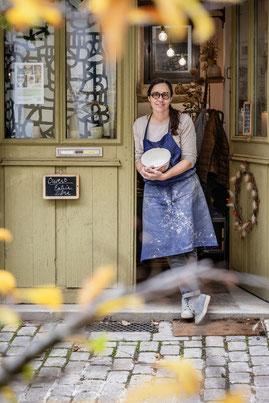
[{"x": 241, "y": 225}]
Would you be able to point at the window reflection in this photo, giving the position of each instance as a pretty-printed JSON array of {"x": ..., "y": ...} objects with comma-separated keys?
[
  {"x": 242, "y": 64},
  {"x": 181, "y": 58},
  {"x": 91, "y": 81},
  {"x": 29, "y": 83},
  {"x": 261, "y": 57},
  {"x": 168, "y": 57}
]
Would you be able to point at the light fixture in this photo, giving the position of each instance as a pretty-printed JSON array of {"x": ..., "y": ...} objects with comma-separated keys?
[
  {"x": 170, "y": 52},
  {"x": 162, "y": 35},
  {"x": 182, "y": 61}
]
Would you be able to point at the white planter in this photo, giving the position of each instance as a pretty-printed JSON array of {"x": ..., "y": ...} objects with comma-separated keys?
[{"x": 97, "y": 132}]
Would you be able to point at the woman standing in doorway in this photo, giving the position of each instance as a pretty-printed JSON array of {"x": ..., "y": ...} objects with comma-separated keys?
[{"x": 176, "y": 219}]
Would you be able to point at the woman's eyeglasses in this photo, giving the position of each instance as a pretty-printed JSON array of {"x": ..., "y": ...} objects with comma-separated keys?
[{"x": 157, "y": 95}]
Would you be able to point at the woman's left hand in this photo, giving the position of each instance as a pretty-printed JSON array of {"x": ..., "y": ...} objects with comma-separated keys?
[{"x": 153, "y": 174}]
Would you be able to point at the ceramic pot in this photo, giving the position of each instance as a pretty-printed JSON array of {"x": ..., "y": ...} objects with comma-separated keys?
[
  {"x": 214, "y": 71},
  {"x": 97, "y": 132}
]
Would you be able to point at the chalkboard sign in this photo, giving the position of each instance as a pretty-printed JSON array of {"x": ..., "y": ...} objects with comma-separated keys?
[
  {"x": 247, "y": 112},
  {"x": 60, "y": 187}
]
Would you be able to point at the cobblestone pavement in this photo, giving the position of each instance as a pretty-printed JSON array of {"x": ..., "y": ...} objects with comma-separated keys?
[{"x": 68, "y": 374}]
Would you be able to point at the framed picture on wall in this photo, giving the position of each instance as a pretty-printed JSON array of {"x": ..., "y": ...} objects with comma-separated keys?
[{"x": 247, "y": 118}]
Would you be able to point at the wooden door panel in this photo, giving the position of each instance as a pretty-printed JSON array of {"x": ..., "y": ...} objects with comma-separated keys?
[
  {"x": 105, "y": 216},
  {"x": 258, "y": 238},
  {"x": 74, "y": 232},
  {"x": 31, "y": 255},
  {"x": 238, "y": 250},
  {"x": 87, "y": 227},
  {"x": 251, "y": 254}
]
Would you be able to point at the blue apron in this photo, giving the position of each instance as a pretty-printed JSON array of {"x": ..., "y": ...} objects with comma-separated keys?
[{"x": 175, "y": 213}]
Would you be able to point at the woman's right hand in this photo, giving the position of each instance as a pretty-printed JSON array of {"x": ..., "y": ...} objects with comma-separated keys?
[
  {"x": 141, "y": 169},
  {"x": 144, "y": 170}
]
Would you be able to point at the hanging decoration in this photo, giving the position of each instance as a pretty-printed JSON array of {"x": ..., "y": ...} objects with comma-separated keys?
[{"x": 242, "y": 226}]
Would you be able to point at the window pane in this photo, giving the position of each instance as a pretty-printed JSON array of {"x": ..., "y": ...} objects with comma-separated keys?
[
  {"x": 29, "y": 83},
  {"x": 242, "y": 64},
  {"x": 261, "y": 57},
  {"x": 91, "y": 80}
]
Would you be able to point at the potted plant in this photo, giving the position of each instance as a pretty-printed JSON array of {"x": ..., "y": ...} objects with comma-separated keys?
[{"x": 208, "y": 56}]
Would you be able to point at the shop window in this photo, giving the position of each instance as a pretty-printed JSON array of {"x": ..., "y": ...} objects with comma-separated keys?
[
  {"x": 91, "y": 80},
  {"x": 251, "y": 68},
  {"x": 242, "y": 64},
  {"x": 261, "y": 67},
  {"x": 29, "y": 83},
  {"x": 85, "y": 97}
]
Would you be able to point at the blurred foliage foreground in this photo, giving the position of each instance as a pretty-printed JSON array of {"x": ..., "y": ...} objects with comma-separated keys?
[
  {"x": 95, "y": 301},
  {"x": 113, "y": 16}
]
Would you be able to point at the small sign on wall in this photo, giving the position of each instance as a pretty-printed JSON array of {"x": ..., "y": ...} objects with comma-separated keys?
[
  {"x": 60, "y": 186},
  {"x": 247, "y": 118}
]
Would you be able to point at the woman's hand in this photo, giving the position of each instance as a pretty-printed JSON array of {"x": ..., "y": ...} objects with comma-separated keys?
[
  {"x": 153, "y": 174},
  {"x": 150, "y": 173},
  {"x": 163, "y": 168}
]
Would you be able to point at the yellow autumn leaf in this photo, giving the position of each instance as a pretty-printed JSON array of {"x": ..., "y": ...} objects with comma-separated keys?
[
  {"x": 97, "y": 344},
  {"x": 51, "y": 15},
  {"x": 22, "y": 15},
  {"x": 98, "y": 6},
  {"x": 27, "y": 13},
  {"x": 5, "y": 235},
  {"x": 27, "y": 372},
  {"x": 49, "y": 296},
  {"x": 186, "y": 374},
  {"x": 8, "y": 317},
  {"x": 129, "y": 301},
  {"x": 233, "y": 398},
  {"x": 145, "y": 15},
  {"x": 203, "y": 24},
  {"x": 159, "y": 389},
  {"x": 172, "y": 15},
  {"x": 95, "y": 284},
  {"x": 112, "y": 17},
  {"x": 7, "y": 282},
  {"x": 8, "y": 394},
  {"x": 226, "y": 1}
]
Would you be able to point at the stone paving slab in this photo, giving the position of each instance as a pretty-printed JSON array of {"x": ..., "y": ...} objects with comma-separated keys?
[{"x": 68, "y": 373}]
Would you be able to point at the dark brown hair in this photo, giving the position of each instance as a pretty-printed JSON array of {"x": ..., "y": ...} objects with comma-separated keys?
[{"x": 173, "y": 113}]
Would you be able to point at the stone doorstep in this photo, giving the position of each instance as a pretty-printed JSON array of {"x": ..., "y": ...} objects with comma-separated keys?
[{"x": 150, "y": 312}]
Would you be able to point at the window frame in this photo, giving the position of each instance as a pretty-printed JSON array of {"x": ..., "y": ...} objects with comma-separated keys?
[
  {"x": 60, "y": 104},
  {"x": 251, "y": 75},
  {"x": 150, "y": 73}
]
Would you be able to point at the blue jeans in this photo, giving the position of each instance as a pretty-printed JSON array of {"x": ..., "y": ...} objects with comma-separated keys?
[{"x": 176, "y": 262}]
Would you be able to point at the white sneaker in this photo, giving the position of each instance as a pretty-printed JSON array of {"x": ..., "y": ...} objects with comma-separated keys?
[
  {"x": 186, "y": 311},
  {"x": 199, "y": 307}
]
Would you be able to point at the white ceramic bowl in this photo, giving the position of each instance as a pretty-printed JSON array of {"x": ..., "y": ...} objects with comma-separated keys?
[{"x": 156, "y": 157}]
